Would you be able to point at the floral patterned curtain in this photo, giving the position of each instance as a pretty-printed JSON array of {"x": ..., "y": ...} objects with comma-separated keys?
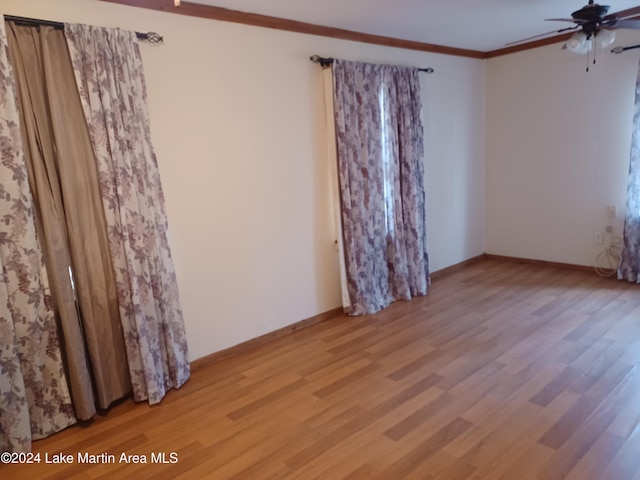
[
  {"x": 34, "y": 397},
  {"x": 380, "y": 147},
  {"x": 109, "y": 73},
  {"x": 629, "y": 268}
]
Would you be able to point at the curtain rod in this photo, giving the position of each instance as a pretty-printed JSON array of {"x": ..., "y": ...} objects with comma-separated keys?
[
  {"x": 151, "y": 37},
  {"x": 325, "y": 62}
]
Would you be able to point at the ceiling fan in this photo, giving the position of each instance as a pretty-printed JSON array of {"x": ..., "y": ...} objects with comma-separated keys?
[{"x": 594, "y": 25}]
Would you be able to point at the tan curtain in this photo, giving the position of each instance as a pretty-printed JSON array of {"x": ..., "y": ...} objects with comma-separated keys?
[
  {"x": 332, "y": 157},
  {"x": 34, "y": 398},
  {"x": 64, "y": 182},
  {"x": 110, "y": 78}
]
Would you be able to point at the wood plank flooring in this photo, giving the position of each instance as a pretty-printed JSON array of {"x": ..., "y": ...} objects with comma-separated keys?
[{"x": 503, "y": 371}]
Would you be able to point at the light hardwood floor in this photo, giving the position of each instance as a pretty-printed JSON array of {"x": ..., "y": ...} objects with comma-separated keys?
[{"x": 504, "y": 371}]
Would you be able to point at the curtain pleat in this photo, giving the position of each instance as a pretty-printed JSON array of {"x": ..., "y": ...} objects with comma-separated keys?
[
  {"x": 109, "y": 74},
  {"x": 411, "y": 219},
  {"x": 64, "y": 181},
  {"x": 34, "y": 398},
  {"x": 629, "y": 268},
  {"x": 381, "y": 175}
]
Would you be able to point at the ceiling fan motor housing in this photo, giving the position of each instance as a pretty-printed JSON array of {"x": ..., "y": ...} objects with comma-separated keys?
[
  {"x": 591, "y": 13},
  {"x": 590, "y": 17}
]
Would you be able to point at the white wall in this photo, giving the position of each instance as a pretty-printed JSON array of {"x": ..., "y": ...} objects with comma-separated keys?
[
  {"x": 237, "y": 119},
  {"x": 558, "y": 142}
]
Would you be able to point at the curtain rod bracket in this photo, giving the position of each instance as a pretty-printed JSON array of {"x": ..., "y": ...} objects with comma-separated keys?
[{"x": 325, "y": 62}]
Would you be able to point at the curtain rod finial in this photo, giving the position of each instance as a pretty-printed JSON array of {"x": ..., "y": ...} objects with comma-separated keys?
[{"x": 151, "y": 37}]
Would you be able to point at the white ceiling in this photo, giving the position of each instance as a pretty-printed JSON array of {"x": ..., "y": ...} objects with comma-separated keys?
[{"x": 471, "y": 24}]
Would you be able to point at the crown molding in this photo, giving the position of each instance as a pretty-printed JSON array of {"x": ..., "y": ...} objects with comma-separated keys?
[
  {"x": 253, "y": 19},
  {"x": 265, "y": 21},
  {"x": 528, "y": 46}
]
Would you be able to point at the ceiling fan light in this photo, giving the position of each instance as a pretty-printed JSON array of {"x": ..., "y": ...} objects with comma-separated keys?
[
  {"x": 584, "y": 48},
  {"x": 578, "y": 43},
  {"x": 605, "y": 37}
]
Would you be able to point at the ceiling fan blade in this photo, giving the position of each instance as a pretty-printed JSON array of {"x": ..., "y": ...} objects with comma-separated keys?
[
  {"x": 542, "y": 35},
  {"x": 629, "y": 12},
  {"x": 572, "y": 20},
  {"x": 631, "y": 24}
]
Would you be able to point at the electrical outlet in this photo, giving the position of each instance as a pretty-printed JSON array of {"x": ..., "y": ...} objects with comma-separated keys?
[
  {"x": 612, "y": 211},
  {"x": 597, "y": 238},
  {"x": 609, "y": 228}
]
